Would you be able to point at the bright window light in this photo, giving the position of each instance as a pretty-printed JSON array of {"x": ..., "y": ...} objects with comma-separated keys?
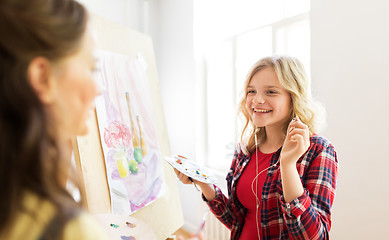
[{"x": 230, "y": 36}]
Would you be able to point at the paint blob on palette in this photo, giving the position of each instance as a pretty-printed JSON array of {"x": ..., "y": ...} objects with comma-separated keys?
[
  {"x": 127, "y": 238},
  {"x": 191, "y": 169}
]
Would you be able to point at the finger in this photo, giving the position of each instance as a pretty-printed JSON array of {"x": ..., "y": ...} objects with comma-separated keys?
[
  {"x": 302, "y": 132},
  {"x": 301, "y": 142},
  {"x": 298, "y": 138},
  {"x": 183, "y": 178},
  {"x": 186, "y": 181},
  {"x": 179, "y": 175},
  {"x": 294, "y": 123},
  {"x": 297, "y": 133},
  {"x": 298, "y": 124},
  {"x": 290, "y": 130}
]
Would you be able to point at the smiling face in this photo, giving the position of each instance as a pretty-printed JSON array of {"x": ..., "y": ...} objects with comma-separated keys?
[
  {"x": 74, "y": 90},
  {"x": 268, "y": 103}
]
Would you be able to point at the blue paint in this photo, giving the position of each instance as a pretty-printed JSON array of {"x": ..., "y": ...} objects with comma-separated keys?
[{"x": 127, "y": 238}]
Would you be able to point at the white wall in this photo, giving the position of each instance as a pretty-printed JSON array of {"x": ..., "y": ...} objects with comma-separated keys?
[
  {"x": 114, "y": 10},
  {"x": 350, "y": 63}
]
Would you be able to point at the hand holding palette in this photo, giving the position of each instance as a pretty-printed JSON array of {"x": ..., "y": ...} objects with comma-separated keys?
[{"x": 191, "y": 169}]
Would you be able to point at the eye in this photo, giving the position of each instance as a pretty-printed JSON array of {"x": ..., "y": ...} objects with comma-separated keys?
[
  {"x": 271, "y": 92},
  {"x": 250, "y": 91},
  {"x": 95, "y": 69}
]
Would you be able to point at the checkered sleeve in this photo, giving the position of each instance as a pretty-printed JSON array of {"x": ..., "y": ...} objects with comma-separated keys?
[
  {"x": 309, "y": 216},
  {"x": 220, "y": 206}
]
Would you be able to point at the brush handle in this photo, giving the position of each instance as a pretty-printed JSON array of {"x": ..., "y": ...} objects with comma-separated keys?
[
  {"x": 202, "y": 223},
  {"x": 194, "y": 183}
]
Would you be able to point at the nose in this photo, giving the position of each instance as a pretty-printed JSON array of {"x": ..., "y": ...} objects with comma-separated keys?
[
  {"x": 98, "y": 88},
  {"x": 258, "y": 99}
]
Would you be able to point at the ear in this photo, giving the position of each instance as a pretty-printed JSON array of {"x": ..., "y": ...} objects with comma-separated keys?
[{"x": 38, "y": 74}]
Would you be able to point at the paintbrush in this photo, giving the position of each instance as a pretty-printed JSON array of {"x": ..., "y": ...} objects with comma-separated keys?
[
  {"x": 194, "y": 183},
  {"x": 202, "y": 223},
  {"x": 180, "y": 162}
]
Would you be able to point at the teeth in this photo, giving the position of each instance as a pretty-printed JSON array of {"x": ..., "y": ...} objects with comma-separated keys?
[{"x": 261, "y": 110}]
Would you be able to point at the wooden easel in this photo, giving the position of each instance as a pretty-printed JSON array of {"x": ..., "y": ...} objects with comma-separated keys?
[{"x": 164, "y": 215}]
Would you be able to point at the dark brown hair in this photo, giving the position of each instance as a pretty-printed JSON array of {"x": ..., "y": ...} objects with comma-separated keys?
[{"x": 30, "y": 156}]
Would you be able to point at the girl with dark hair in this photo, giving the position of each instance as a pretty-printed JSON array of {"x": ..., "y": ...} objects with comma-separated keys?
[{"x": 46, "y": 95}]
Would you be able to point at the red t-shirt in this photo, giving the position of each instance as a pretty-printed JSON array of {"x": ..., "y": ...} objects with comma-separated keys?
[{"x": 246, "y": 196}]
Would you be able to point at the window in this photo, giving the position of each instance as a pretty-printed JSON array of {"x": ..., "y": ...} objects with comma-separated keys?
[{"x": 279, "y": 26}]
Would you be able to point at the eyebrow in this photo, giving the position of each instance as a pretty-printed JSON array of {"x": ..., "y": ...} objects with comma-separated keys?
[{"x": 268, "y": 86}]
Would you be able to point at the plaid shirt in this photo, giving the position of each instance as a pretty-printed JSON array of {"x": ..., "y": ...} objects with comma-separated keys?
[{"x": 306, "y": 217}]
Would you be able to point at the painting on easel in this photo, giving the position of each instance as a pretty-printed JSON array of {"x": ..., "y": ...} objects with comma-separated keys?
[{"x": 128, "y": 132}]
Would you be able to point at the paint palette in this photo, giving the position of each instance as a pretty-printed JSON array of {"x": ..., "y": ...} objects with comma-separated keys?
[{"x": 191, "y": 169}]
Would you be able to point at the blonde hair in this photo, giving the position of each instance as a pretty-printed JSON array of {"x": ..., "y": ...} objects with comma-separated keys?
[{"x": 291, "y": 75}]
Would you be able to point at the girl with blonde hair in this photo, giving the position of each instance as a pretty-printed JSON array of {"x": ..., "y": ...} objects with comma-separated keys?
[{"x": 282, "y": 180}]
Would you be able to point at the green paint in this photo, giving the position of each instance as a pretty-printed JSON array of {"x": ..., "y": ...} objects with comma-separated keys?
[
  {"x": 114, "y": 225},
  {"x": 138, "y": 154},
  {"x": 133, "y": 165}
]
